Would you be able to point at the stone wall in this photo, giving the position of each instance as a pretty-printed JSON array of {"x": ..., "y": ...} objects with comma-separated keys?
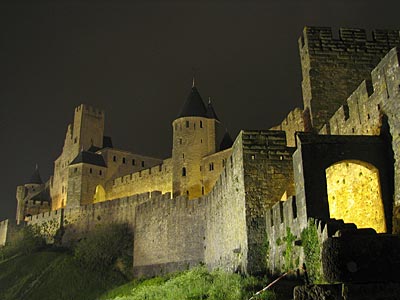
[
  {"x": 75, "y": 223},
  {"x": 211, "y": 168},
  {"x": 268, "y": 177},
  {"x": 169, "y": 235},
  {"x": 226, "y": 237},
  {"x": 333, "y": 67},
  {"x": 48, "y": 223},
  {"x": 157, "y": 178},
  {"x": 284, "y": 218},
  {"x": 296, "y": 120}
]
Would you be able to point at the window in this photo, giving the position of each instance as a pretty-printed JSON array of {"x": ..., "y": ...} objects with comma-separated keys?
[
  {"x": 187, "y": 193},
  {"x": 202, "y": 190},
  {"x": 223, "y": 163},
  {"x": 75, "y": 140},
  {"x": 201, "y": 124},
  {"x": 201, "y": 141},
  {"x": 90, "y": 171},
  {"x": 183, "y": 155},
  {"x": 114, "y": 158},
  {"x": 187, "y": 124},
  {"x": 76, "y": 170},
  {"x": 180, "y": 141},
  {"x": 123, "y": 160},
  {"x": 100, "y": 172},
  {"x": 133, "y": 162},
  {"x": 183, "y": 171},
  {"x": 142, "y": 163},
  {"x": 211, "y": 166}
]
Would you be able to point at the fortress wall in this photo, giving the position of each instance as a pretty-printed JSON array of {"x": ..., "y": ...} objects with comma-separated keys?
[
  {"x": 282, "y": 217},
  {"x": 48, "y": 223},
  {"x": 226, "y": 237},
  {"x": 212, "y": 166},
  {"x": 156, "y": 178},
  {"x": 334, "y": 66},
  {"x": 169, "y": 235},
  {"x": 268, "y": 176},
  {"x": 79, "y": 221},
  {"x": 296, "y": 120}
]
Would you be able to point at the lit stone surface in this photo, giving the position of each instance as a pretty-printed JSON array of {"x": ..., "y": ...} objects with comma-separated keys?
[{"x": 354, "y": 195}]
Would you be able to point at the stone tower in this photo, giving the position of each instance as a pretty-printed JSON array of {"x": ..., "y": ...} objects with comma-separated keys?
[
  {"x": 333, "y": 67},
  {"x": 86, "y": 132},
  {"x": 194, "y": 137},
  {"x": 32, "y": 197}
]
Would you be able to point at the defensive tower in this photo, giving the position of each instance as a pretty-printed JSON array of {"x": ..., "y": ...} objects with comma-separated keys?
[
  {"x": 194, "y": 136},
  {"x": 85, "y": 133},
  {"x": 333, "y": 67}
]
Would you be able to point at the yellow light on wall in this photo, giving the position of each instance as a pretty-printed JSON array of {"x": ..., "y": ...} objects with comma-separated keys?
[
  {"x": 100, "y": 194},
  {"x": 354, "y": 194}
]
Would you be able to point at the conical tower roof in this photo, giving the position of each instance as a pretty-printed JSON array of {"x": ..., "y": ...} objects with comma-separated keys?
[
  {"x": 210, "y": 111},
  {"x": 226, "y": 142},
  {"x": 193, "y": 106},
  {"x": 35, "y": 178}
]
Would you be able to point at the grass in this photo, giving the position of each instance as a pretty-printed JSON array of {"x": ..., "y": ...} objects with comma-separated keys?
[
  {"x": 52, "y": 275},
  {"x": 196, "y": 283}
]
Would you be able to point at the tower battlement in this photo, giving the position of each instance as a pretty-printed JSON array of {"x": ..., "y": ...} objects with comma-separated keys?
[{"x": 348, "y": 39}]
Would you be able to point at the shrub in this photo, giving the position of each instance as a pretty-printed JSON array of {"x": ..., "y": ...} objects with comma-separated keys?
[
  {"x": 312, "y": 251},
  {"x": 105, "y": 247}
]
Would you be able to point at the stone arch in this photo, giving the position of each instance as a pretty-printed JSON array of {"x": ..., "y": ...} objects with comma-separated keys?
[
  {"x": 354, "y": 194},
  {"x": 100, "y": 194},
  {"x": 316, "y": 153}
]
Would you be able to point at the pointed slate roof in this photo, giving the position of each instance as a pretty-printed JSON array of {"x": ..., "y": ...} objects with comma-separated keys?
[
  {"x": 210, "y": 111},
  {"x": 226, "y": 142},
  {"x": 193, "y": 106},
  {"x": 35, "y": 178},
  {"x": 87, "y": 157}
]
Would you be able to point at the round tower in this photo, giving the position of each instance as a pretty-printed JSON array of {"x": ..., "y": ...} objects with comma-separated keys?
[{"x": 194, "y": 136}]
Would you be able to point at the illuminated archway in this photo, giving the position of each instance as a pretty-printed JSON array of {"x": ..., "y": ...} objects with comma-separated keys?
[
  {"x": 354, "y": 194},
  {"x": 100, "y": 194}
]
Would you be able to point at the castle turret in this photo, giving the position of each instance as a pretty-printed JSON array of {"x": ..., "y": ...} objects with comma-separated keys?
[
  {"x": 32, "y": 197},
  {"x": 194, "y": 136}
]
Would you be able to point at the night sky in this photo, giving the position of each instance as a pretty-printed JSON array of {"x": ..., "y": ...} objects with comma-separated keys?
[{"x": 135, "y": 60}]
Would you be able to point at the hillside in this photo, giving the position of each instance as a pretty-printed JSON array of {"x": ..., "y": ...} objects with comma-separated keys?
[{"x": 52, "y": 275}]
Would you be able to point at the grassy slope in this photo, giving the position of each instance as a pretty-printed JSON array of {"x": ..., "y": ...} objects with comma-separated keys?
[
  {"x": 52, "y": 275},
  {"x": 196, "y": 283}
]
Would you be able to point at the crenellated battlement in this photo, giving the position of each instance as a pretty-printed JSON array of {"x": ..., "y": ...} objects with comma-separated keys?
[
  {"x": 347, "y": 40},
  {"x": 89, "y": 110}
]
